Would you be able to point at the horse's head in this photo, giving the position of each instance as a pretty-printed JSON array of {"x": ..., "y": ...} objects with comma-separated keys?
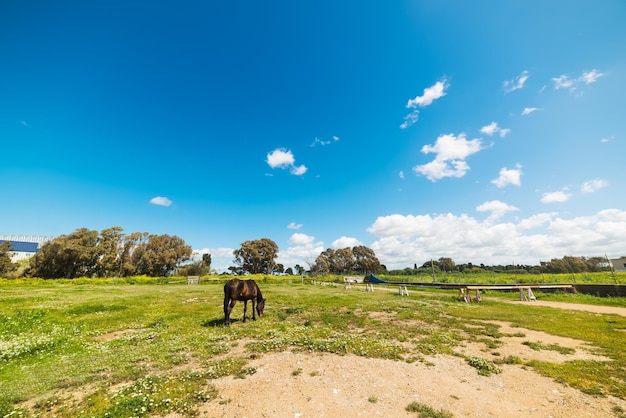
[{"x": 260, "y": 306}]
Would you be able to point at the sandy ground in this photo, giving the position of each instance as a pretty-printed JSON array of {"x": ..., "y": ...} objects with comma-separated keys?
[{"x": 301, "y": 385}]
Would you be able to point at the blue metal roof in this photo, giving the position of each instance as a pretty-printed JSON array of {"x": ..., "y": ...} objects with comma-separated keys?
[{"x": 23, "y": 247}]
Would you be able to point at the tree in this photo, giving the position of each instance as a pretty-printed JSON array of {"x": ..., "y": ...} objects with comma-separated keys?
[
  {"x": 161, "y": 254},
  {"x": 446, "y": 264},
  {"x": 347, "y": 260},
  {"x": 69, "y": 256},
  {"x": 257, "y": 256},
  {"x": 365, "y": 260},
  {"x": 133, "y": 248},
  {"x": 323, "y": 262},
  {"x": 289, "y": 271},
  {"x": 110, "y": 248},
  {"x": 299, "y": 269},
  {"x": 343, "y": 262},
  {"x": 6, "y": 252},
  {"x": 197, "y": 268},
  {"x": 206, "y": 261}
]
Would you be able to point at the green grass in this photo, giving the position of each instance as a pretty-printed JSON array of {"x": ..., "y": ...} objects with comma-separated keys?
[
  {"x": 538, "y": 346},
  {"x": 425, "y": 411},
  {"x": 152, "y": 348},
  {"x": 484, "y": 367}
]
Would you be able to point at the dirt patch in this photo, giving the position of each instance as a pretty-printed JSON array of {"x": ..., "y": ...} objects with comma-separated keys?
[
  {"x": 109, "y": 336},
  {"x": 518, "y": 342},
  {"x": 597, "y": 309},
  {"x": 303, "y": 385}
]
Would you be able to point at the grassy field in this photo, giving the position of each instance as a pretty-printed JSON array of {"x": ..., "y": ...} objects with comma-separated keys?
[
  {"x": 604, "y": 277},
  {"x": 143, "y": 347}
]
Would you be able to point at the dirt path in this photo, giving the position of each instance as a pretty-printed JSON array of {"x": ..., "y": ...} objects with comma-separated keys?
[
  {"x": 574, "y": 306},
  {"x": 301, "y": 385}
]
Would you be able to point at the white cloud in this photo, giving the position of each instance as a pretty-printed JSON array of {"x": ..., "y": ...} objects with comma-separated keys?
[
  {"x": 592, "y": 76},
  {"x": 529, "y": 110},
  {"x": 221, "y": 258},
  {"x": 449, "y": 161},
  {"x": 565, "y": 82},
  {"x": 490, "y": 129},
  {"x": 410, "y": 119},
  {"x": 301, "y": 239},
  {"x": 536, "y": 221},
  {"x": 345, "y": 242},
  {"x": 497, "y": 208},
  {"x": 516, "y": 83},
  {"x": 593, "y": 185},
  {"x": 449, "y": 147},
  {"x": 406, "y": 240},
  {"x": 299, "y": 170},
  {"x": 562, "y": 82},
  {"x": 609, "y": 139},
  {"x": 555, "y": 197},
  {"x": 281, "y": 158},
  {"x": 302, "y": 250},
  {"x": 401, "y": 174},
  {"x": 322, "y": 141},
  {"x": 431, "y": 94},
  {"x": 24, "y": 123},
  {"x": 293, "y": 225},
  {"x": 438, "y": 169},
  {"x": 493, "y": 128},
  {"x": 161, "y": 201},
  {"x": 508, "y": 176}
]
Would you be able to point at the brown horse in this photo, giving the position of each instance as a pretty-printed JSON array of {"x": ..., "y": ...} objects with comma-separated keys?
[{"x": 244, "y": 290}]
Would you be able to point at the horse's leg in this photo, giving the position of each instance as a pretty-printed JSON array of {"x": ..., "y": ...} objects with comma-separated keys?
[
  {"x": 253, "y": 310},
  {"x": 245, "y": 307},
  {"x": 227, "y": 310}
]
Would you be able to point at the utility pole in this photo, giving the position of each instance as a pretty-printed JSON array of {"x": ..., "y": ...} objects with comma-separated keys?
[
  {"x": 612, "y": 269},
  {"x": 432, "y": 266}
]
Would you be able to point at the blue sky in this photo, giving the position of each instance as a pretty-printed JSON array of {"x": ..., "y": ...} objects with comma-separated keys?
[{"x": 488, "y": 132}]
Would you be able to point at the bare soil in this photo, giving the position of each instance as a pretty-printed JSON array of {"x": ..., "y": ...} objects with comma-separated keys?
[{"x": 301, "y": 385}]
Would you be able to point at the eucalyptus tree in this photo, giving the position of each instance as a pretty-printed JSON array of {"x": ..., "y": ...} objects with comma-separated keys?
[
  {"x": 161, "y": 255},
  {"x": 67, "y": 256},
  {"x": 257, "y": 256},
  {"x": 365, "y": 260},
  {"x": 359, "y": 259},
  {"x": 6, "y": 252},
  {"x": 110, "y": 247}
]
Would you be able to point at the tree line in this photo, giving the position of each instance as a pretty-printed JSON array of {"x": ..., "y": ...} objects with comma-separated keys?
[
  {"x": 259, "y": 256},
  {"x": 113, "y": 253},
  {"x": 109, "y": 253},
  {"x": 567, "y": 264}
]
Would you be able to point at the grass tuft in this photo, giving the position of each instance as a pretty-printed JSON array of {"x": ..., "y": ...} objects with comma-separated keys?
[{"x": 426, "y": 411}]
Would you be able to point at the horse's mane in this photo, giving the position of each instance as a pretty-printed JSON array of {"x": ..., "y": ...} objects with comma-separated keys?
[{"x": 259, "y": 295}]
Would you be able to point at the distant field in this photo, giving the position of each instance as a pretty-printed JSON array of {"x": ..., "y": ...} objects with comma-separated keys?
[
  {"x": 144, "y": 347},
  {"x": 604, "y": 277}
]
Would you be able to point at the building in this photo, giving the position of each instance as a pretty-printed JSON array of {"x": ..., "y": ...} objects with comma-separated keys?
[
  {"x": 619, "y": 264},
  {"x": 24, "y": 246}
]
